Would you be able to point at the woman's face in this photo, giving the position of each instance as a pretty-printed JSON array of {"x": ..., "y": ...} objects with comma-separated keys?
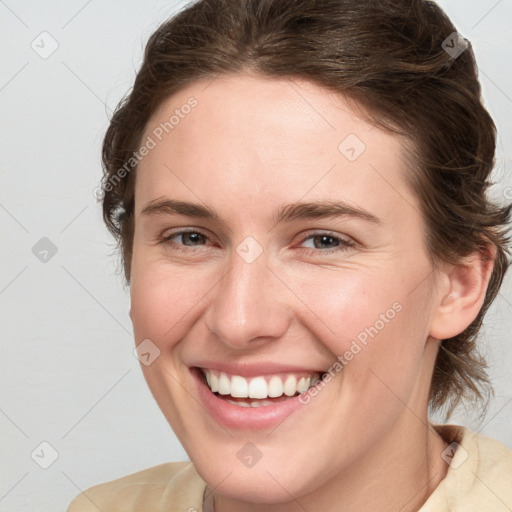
[{"x": 275, "y": 240}]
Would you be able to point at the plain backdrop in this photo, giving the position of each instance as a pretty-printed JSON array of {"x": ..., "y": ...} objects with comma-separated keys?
[{"x": 69, "y": 376}]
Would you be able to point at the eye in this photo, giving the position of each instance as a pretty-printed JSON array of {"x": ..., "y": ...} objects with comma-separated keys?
[
  {"x": 183, "y": 239},
  {"x": 323, "y": 242},
  {"x": 326, "y": 242}
]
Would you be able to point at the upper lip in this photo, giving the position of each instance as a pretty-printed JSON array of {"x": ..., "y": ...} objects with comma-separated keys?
[{"x": 254, "y": 369}]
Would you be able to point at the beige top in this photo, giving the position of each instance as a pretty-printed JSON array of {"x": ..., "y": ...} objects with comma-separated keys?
[{"x": 479, "y": 479}]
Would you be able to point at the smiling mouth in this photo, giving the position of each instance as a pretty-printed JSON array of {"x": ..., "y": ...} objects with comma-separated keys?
[{"x": 259, "y": 391}]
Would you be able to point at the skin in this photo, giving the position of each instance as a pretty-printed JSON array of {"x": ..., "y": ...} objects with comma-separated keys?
[{"x": 364, "y": 442}]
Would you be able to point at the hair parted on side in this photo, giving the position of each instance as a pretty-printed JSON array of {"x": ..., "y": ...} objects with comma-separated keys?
[{"x": 388, "y": 57}]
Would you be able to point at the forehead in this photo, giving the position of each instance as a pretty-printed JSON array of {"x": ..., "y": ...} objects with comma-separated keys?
[{"x": 249, "y": 135}]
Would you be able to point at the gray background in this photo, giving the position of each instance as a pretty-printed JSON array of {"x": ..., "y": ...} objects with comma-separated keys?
[{"x": 69, "y": 377}]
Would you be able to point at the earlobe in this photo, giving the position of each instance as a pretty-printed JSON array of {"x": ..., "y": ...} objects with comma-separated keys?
[{"x": 462, "y": 294}]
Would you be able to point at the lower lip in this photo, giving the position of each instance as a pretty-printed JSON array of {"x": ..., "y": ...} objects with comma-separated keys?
[{"x": 244, "y": 418}]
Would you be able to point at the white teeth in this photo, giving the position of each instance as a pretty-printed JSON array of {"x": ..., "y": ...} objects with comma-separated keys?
[
  {"x": 255, "y": 403},
  {"x": 290, "y": 385},
  {"x": 275, "y": 387},
  {"x": 214, "y": 381},
  {"x": 224, "y": 385},
  {"x": 261, "y": 403},
  {"x": 239, "y": 387},
  {"x": 303, "y": 384},
  {"x": 241, "y": 404},
  {"x": 260, "y": 387}
]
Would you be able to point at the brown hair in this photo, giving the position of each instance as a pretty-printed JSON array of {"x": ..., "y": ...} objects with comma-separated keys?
[{"x": 392, "y": 58}]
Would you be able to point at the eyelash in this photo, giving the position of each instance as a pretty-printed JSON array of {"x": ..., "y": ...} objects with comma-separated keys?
[{"x": 344, "y": 244}]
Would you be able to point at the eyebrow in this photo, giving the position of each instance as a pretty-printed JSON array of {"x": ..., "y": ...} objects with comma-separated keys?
[
  {"x": 288, "y": 212},
  {"x": 173, "y": 207}
]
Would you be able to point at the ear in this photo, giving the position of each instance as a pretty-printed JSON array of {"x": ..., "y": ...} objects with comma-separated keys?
[{"x": 461, "y": 293}]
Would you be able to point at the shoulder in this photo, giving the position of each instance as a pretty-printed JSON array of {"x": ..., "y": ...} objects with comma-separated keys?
[
  {"x": 479, "y": 475},
  {"x": 171, "y": 486},
  {"x": 486, "y": 456}
]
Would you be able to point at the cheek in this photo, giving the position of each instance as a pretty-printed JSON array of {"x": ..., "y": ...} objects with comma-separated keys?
[
  {"x": 346, "y": 304},
  {"x": 161, "y": 301},
  {"x": 370, "y": 327},
  {"x": 390, "y": 355}
]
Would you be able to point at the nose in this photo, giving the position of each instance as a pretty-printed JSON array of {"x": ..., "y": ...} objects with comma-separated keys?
[{"x": 249, "y": 306}]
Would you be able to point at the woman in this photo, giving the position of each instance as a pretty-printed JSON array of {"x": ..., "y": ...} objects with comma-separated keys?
[{"x": 299, "y": 193}]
